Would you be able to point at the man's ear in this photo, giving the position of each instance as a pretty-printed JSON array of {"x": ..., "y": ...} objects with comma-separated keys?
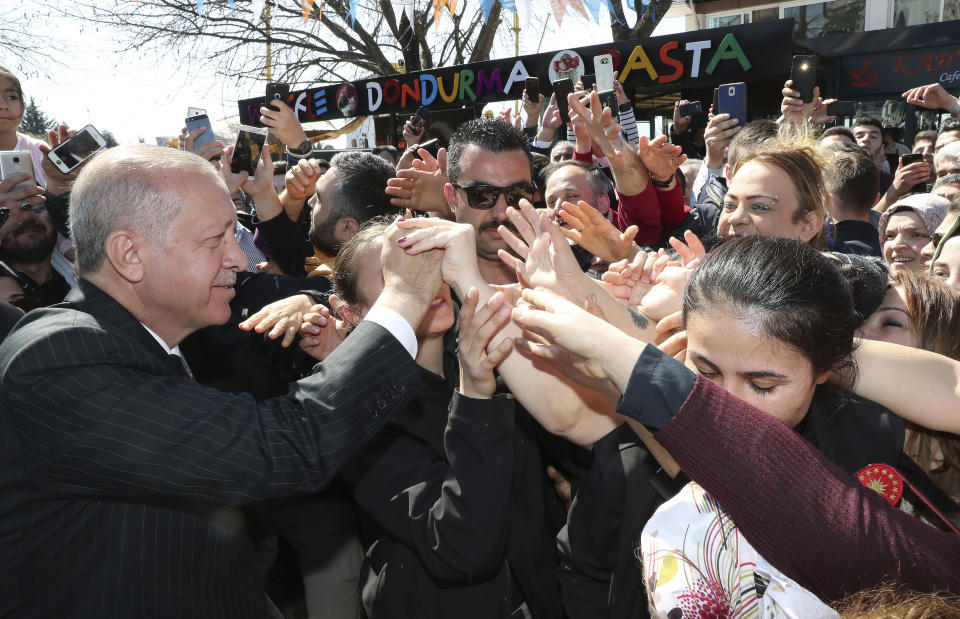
[
  {"x": 123, "y": 249},
  {"x": 603, "y": 203},
  {"x": 450, "y": 193},
  {"x": 345, "y": 228}
]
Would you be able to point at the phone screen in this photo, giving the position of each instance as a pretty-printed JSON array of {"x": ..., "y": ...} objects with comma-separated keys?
[
  {"x": 532, "y": 86},
  {"x": 246, "y": 152},
  {"x": 77, "y": 149}
]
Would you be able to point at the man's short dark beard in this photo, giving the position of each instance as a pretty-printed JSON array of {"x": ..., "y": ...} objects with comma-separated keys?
[
  {"x": 323, "y": 239},
  {"x": 34, "y": 251}
]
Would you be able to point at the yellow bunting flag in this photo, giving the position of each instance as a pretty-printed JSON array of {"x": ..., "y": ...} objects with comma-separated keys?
[
  {"x": 306, "y": 7},
  {"x": 439, "y": 5}
]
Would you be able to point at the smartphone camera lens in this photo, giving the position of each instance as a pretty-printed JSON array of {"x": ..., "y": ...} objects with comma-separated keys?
[{"x": 16, "y": 159}]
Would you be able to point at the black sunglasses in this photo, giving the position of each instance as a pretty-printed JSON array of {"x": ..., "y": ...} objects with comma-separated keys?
[
  {"x": 484, "y": 197},
  {"x": 4, "y": 215}
]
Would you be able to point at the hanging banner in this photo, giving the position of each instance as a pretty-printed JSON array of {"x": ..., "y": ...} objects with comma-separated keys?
[{"x": 690, "y": 59}]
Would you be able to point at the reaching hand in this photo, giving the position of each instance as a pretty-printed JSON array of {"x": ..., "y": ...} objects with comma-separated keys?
[
  {"x": 680, "y": 123},
  {"x": 598, "y": 121},
  {"x": 283, "y": 123},
  {"x": 208, "y": 150},
  {"x": 13, "y": 197},
  {"x": 413, "y": 131},
  {"x": 320, "y": 334},
  {"x": 796, "y": 111},
  {"x": 283, "y": 317},
  {"x": 593, "y": 232},
  {"x": 691, "y": 252},
  {"x": 410, "y": 281},
  {"x": 545, "y": 258},
  {"x": 420, "y": 187},
  {"x": 477, "y": 329},
  {"x": 458, "y": 242},
  {"x": 532, "y": 108},
  {"x": 261, "y": 184},
  {"x": 631, "y": 281},
  {"x": 672, "y": 337},
  {"x": 300, "y": 181},
  {"x": 660, "y": 157},
  {"x": 720, "y": 130},
  {"x": 933, "y": 97},
  {"x": 233, "y": 180}
]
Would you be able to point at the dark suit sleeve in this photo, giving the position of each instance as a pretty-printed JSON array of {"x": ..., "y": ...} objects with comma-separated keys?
[
  {"x": 102, "y": 419},
  {"x": 453, "y": 511}
]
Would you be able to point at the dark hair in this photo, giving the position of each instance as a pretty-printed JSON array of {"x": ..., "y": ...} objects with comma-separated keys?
[
  {"x": 279, "y": 167},
  {"x": 391, "y": 150},
  {"x": 753, "y": 134},
  {"x": 853, "y": 179},
  {"x": 361, "y": 189},
  {"x": 838, "y": 130},
  {"x": 925, "y": 136},
  {"x": 346, "y": 280},
  {"x": 487, "y": 134},
  {"x": 950, "y": 124},
  {"x": 869, "y": 121},
  {"x": 848, "y": 147},
  {"x": 5, "y": 74},
  {"x": 786, "y": 288},
  {"x": 599, "y": 182}
]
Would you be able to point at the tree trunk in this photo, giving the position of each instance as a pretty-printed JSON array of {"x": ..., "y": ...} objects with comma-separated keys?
[{"x": 645, "y": 24}]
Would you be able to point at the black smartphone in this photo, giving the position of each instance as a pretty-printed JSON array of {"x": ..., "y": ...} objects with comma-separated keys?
[
  {"x": 532, "y": 86},
  {"x": 804, "y": 76},
  {"x": 562, "y": 88},
  {"x": 691, "y": 109},
  {"x": 247, "y": 150},
  {"x": 277, "y": 90},
  {"x": 842, "y": 108},
  {"x": 608, "y": 98},
  {"x": 732, "y": 99},
  {"x": 588, "y": 80},
  {"x": 909, "y": 158},
  {"x": 421, "y": 117},
  {"x": 716, "y": 94}
]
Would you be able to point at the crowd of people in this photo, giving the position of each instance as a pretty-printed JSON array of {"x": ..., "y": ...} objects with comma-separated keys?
[{"x": 550, "y": 370}]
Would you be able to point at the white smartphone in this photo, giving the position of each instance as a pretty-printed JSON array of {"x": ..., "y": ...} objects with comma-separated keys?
[
  {"x": 247, "y": 150},
  {"x": 17, "y": 162},
  {"x": 603, "y": 69},
  {"x": 196, "y": 111},
  {"x": 87, "y": 143}
]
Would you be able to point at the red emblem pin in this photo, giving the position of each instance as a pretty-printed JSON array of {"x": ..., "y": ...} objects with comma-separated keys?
[{"x": 884, "y": 480}]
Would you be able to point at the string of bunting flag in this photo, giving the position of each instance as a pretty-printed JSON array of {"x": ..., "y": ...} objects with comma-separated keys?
[{"x": 588, "y": 9}]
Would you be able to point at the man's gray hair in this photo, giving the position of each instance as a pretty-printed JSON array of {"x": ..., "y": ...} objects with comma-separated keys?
[
  {"x": 126, "y": 188},
  {"x": 949, "y": 151}
]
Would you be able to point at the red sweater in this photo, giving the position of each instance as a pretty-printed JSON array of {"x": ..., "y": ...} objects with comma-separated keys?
[
  {"x": 651, "y": 210},
  {"x": 805, "y": 515}
]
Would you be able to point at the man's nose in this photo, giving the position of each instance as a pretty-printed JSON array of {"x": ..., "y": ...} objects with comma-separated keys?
[{"x": 233, "y": 257}]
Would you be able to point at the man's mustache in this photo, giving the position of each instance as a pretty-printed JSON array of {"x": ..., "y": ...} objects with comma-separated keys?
[
  {"x": 29, "y": 226},
  {"x": 493, "y": 224}
]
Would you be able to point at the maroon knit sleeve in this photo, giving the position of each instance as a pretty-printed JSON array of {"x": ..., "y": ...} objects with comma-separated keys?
[{"x": 805, "y": 515}]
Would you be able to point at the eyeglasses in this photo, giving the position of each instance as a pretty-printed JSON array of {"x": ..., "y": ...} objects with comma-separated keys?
[{"x": 484, "y": 197}]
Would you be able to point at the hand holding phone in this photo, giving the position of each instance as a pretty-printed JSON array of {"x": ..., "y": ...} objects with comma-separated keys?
[
  {"x": 15, "y": 162},
  {"x": 532, "y": 86},
  {"x": 804, "y": 76},
  {"x": 690, "y": 109},
  {"x": 277, "y": 91},
  {"x": 74, "y": 151},
  {"x": 732, "y": 100}
]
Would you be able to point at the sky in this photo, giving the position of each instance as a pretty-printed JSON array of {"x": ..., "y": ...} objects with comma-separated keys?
[{"x": 144, "y": 96}]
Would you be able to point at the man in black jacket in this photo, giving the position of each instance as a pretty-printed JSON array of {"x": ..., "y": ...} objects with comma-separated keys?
[{"x": 121, "y": 477}]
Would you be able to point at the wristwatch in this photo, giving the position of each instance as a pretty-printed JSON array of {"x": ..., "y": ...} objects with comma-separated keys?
[
  {"x": 656, "y": 182},
  {"x": 304, "y": 148}
]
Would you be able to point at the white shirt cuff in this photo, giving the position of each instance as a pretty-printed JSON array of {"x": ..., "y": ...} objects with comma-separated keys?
[
  {"x": 396, "y": 324},
  {"x": 542, "y": 144}
]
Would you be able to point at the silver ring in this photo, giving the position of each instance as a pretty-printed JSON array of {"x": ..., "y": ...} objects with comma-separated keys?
[{"x": 24, "y": 204}]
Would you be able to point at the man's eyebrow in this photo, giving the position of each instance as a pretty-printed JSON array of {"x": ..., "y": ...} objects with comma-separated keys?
[{"x": 764, "y": 374}]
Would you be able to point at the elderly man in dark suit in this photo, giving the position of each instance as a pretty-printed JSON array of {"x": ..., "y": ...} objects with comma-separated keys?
[{"x": 121, "y": 477}]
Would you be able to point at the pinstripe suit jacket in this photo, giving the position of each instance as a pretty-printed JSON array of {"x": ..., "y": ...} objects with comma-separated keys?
[{"x": 120, "y": 477}]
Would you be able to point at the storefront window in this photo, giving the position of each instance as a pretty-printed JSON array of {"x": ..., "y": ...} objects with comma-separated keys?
[
  {"x": 814, "y": 20},
  {"x": 951, "y": 10},
  {"x": 916, "y": 12},
  {"x": 766, "y": 14}
]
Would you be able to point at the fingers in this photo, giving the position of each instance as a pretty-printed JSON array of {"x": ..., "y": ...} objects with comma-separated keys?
[
  {"x": 670, "y": 323},
  {"x": 523, "y": 225},
  {"x": 513, "y": 242}
]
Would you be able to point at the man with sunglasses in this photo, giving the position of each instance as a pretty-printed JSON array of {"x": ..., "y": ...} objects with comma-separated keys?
[{"x": 488, "y": 165}]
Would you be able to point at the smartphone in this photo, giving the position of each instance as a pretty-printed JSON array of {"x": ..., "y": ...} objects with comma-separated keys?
[
  {"x": 909, "y": 158},
  {"x": 195, "y": 111},
  {"x": 691, "y": 109},
  {"x": 732, "y": 99},
  {"x": 17, "y": 162},
  {"x": 421, "y": 117},
  {"x": 716, "y": 104},
  {"x": 247, "y": 150},
  {"x": 562, "y": 88},
  {"x": 804, "y": 76},
  {"x": 588, "y": 80},
  {"x": 195, "y": 122},
  {"x": 603, "y": 69},
  {"x": 532, "y": 86},
  {"x": 85, "y": 144},
  {"x": 275, "y": 91},
  {"x": 842, "y": 108}
]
